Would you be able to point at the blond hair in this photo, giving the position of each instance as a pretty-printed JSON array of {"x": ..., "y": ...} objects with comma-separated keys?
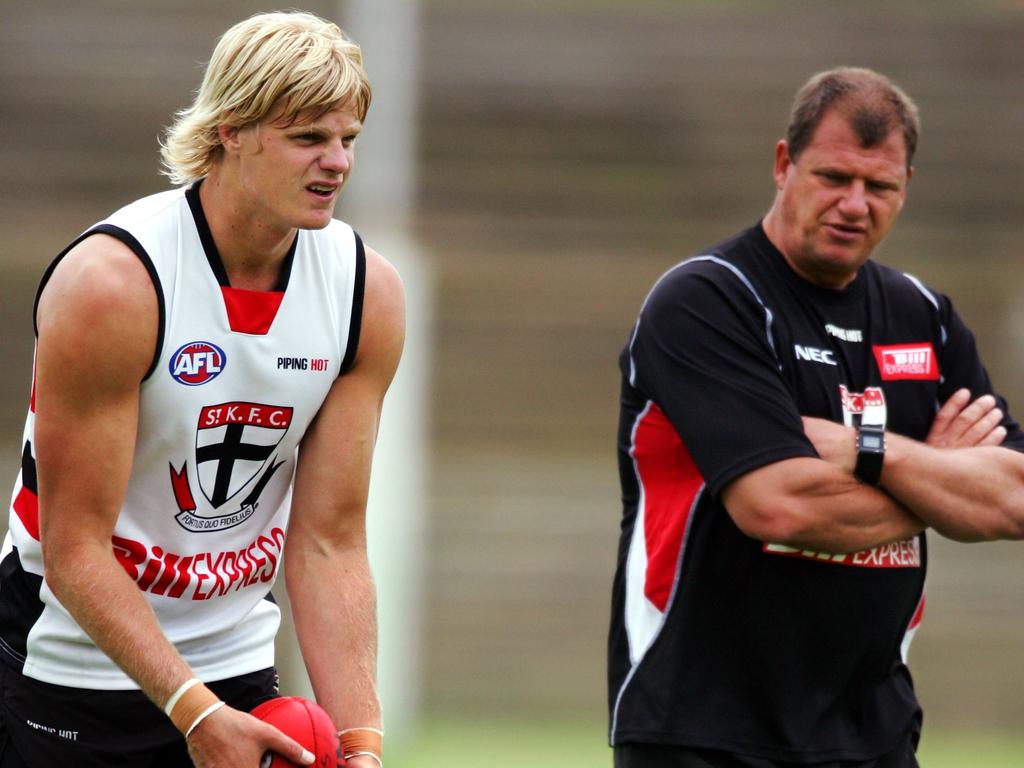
[{"x": 292, "y": 59}]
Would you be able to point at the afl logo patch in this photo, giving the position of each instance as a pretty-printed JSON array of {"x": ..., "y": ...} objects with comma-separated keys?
[{"x": 196, "y": 363}]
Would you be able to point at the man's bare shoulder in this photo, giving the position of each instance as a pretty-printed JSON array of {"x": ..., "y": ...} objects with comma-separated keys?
[
  {"x": 100, "y": 267},
  {"x": 100, "y": 304}
]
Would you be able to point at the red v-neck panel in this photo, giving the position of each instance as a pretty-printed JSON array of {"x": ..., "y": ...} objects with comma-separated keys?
[
  {"x": 248, "y": 311},
  {"x": 251, "y": 312}
]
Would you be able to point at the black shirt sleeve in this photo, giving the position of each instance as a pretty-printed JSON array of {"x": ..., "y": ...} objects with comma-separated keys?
[
  {"x": 961, "y": 366},
  {"x": 702, "y": 351}
]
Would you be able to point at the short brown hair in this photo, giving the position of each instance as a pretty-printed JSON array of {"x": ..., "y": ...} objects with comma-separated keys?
[{"x": 873, "y": 104}]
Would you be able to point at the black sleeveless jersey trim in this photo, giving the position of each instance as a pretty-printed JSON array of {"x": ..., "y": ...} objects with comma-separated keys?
[
  {"x": 356, "y": 322},
  {"x": 136, "y": 247},
  {"x": 210, "y": 247}
]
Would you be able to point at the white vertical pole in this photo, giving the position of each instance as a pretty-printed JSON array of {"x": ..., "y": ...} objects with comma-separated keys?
[
  {"x": 388, "y": 32},
  {"x": 378, "y": 202}
]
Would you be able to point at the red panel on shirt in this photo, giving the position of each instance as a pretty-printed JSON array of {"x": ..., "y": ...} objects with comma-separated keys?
[
  {"x": 251, "y": 311},
  {"x": 918, "y": 615},
  {"x": 26, "y": 505},
  {"x": 670, "y": 482}
]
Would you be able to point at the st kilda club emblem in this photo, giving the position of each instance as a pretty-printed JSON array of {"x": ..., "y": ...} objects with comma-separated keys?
[{"x": 235, "y": 451}]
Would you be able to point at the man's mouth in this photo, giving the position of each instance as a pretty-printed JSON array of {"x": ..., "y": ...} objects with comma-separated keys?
[
  {"x": 323, "y": 190},
  {"x": 845, "y": 230}
]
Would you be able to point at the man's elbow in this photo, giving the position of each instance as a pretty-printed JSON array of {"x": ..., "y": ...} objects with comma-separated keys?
[
  {"x": 1012, "y": 516},
  {"x": 68, "y": 560},
  {"x": 1008, "y": 506},
  {"x": 776, "y": 503},
  {"x": 769, "y": 521},
  {"x": 58, "y": 573},
  {"x": 1002, "y": 521}
]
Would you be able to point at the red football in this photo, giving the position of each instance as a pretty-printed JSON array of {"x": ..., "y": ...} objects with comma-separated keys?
[{"x": 307, "y": 723}]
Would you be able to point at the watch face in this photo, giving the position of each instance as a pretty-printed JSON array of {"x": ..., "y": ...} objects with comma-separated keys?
[{"x": 871, "y": 442}]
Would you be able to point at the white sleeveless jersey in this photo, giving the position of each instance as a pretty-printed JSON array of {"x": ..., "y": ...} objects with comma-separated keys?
[{"x": 237, "y": 378}]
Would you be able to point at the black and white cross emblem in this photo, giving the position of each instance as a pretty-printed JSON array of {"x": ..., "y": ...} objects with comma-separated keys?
[{"x": 233, "y": 442}]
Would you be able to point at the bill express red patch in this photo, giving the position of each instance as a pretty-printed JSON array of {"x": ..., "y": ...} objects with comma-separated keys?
[{"x": 907, "y": 361}]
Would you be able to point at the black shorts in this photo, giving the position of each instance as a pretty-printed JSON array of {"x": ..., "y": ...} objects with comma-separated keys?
[
  {"x": 43, "y": 725},
  {"x": 659, "y": 756}
]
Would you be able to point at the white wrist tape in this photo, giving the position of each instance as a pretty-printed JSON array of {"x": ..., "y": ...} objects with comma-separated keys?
[{"x": 203, "y": 715}]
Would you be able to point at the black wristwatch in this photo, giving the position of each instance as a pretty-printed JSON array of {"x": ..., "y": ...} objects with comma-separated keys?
[{"x": 870, "y": 453}]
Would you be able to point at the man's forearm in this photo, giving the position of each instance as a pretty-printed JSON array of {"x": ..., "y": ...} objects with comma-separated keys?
[
  {"x": 810, "y": 504},
  {"x": 958, "y": 482},
  {"x": 854, "y": 520},
  {"x": 967, "y": 494},
  {"x": 334, "y": 607},
  {"x": 107, "y": 604}
]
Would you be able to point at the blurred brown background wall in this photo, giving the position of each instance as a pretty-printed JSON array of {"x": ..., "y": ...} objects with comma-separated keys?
[{"x": 570, "y": 152}]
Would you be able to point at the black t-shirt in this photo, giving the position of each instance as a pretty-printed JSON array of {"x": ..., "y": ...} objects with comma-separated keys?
[{"x": 721, "y": 641}]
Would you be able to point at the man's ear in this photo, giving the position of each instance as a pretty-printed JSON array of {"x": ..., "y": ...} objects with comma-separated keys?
[
  {"x": 229, "y": 139},
  {"x": 782, "y": 163}
]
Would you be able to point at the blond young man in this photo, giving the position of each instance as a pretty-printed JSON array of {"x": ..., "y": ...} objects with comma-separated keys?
[{"x": 211, "y": 364}]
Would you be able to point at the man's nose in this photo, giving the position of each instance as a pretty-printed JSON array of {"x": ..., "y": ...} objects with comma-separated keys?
[
  {"x": 336, "y": 158},
  {"x": 854, "y": 202}
]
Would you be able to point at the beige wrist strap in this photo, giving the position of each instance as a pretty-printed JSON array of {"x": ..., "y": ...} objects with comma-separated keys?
[
  {"x": 176, "y": 696},
  {"x": 366, "y": 741},
  {"x": 194, "y": 702}
]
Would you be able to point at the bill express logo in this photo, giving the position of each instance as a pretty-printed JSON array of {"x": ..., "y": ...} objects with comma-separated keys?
[
  {"x": 901, "y": 554},
  {"x": 200, "y": 575},
  {"x": 196, "y": 363},
  {"x": 907, "y": 361}
]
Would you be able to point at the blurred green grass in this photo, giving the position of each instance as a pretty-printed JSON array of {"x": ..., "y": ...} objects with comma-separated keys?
[
  {"x": 450, "y": 741},
  {"x": 970, "y": 749}
]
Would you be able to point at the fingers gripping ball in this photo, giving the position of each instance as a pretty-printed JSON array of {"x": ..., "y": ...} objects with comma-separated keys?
[{"x": 307, "y": 723}]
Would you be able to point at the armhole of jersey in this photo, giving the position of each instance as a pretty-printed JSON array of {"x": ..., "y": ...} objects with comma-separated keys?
[
  {"x": 128, "y": 239},
  {"x": 356, "y": 321}
]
